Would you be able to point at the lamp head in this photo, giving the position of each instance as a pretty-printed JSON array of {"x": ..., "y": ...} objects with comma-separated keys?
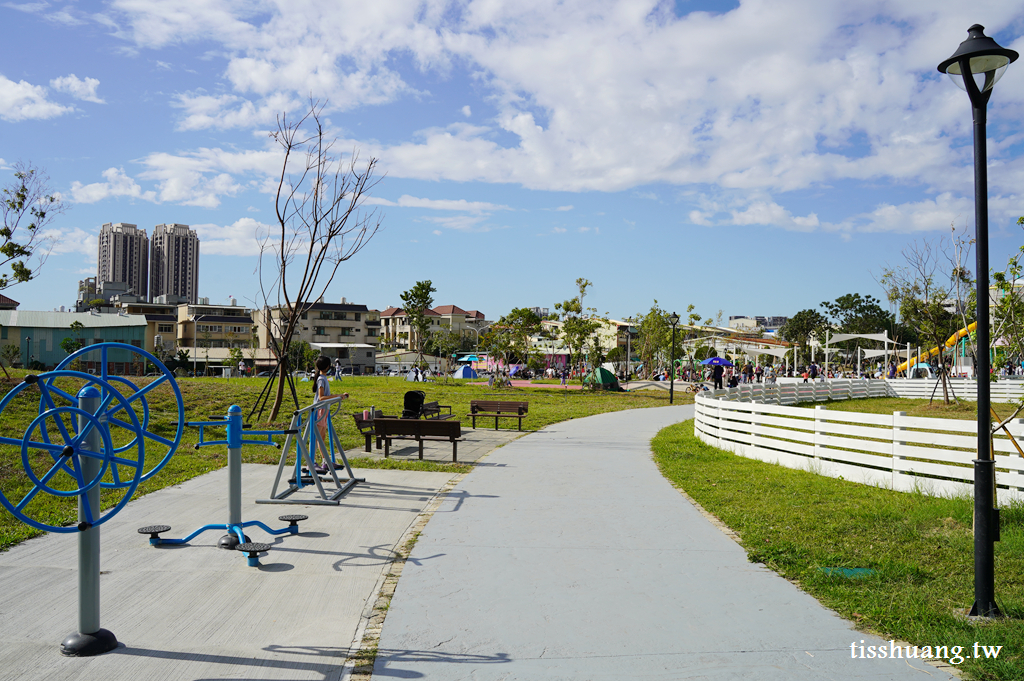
[
  {"x": 982, "y": 58},
  {"x": 673, "y": 318}
]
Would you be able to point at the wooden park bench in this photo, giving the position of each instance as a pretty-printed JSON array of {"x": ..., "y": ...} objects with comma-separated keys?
[
  {"x": 365, "y": 426},
  {"x": 498, "y": 409},
  {"x": 389, "y": 429},
  {"x": 432, "y": 410}
]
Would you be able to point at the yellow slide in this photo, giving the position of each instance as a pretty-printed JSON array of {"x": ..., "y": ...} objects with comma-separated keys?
[{"x": 950, "y": 342}]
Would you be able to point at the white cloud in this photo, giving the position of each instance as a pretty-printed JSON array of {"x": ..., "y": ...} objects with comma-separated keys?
[
  {"x": 563, "y": 208},
  {"x": 463, "y": 223},
  {"x": 79, "y": 89},
  {"x": 558, "y": 230},
  {"x": 117, "y": 184},
  {"x": 653, "y": 99},
  {"x": 437, "y": 232},
  {"x": 406, "y": 201},
  {"x": 771, "y": 213},
  {"x": 74, "y": 240},
  {"x": 238, "y": 238},
  {"x": 22, "y": 101}
]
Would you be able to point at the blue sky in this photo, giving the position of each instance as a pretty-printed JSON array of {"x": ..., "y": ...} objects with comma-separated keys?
[{"x": 750, "y": 157}]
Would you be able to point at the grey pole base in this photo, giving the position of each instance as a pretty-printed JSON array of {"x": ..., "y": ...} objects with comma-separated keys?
[
  {"x": 229, "y": 541},
  {"x": 88, "y": 645}
]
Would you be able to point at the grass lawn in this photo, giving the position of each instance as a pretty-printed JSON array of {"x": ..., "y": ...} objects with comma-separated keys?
[
  {"x": 209, "y": 398},
  {"x": 887, "y": 405},
  {"x": 920, "y": 548}
]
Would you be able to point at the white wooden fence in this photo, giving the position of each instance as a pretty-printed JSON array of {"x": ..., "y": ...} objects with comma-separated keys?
[
  {"x": 1003, "y": 390},
  {"x": 900, "y": 452}
]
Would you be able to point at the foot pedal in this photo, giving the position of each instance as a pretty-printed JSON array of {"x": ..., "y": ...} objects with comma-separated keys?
[
  {"x": 154, "y": 532},
  {"x": 293, "y": 522},
  {"x": 253, "y": 549}
]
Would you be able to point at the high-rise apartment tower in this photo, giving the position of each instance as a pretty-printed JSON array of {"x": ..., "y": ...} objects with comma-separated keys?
[
  {"x": 124, "y": 256},
  {"x": 174, "y": 262}
]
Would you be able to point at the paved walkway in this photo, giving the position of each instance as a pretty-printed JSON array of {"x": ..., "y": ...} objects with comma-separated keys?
[
  {"x": 571, "y": 557},
  {"x": 192, "y": 612}
]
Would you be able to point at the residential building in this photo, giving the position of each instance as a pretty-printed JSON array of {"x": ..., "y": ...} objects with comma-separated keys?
[
  {"x": 398, "y": 334},
  {"x": 344, "y": 331},
  {"x": 174, "y": 258},
  {"x": 124, "y": 257},
  {"x": 746, "y": 324},
  {"x": 9, "y": 303},
  {"x": 86, "y": 292},
  {"x": 38, "y": 336}
]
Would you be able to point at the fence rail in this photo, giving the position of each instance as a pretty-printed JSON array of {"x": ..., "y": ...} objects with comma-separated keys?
[
  {"x": 896, "y": 451},
  {"x": 1004, "y": 390}
]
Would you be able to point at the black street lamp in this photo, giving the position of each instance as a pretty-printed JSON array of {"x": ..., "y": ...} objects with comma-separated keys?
[
  {"x": 673, "y": 320},
  {"x": 975, "y": 67}
]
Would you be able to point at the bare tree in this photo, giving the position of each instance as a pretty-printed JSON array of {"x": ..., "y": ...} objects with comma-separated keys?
[
  {"x": 921, "y": 289},
  {"x": 320, "y": 225}
]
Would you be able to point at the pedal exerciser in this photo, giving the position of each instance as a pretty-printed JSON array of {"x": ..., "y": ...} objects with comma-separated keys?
[
  {"x": 235, "y": 539},
  {"x": 304, "y": 436}
]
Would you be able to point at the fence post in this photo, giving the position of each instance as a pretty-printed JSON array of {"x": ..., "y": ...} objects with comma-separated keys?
[
  {"x": 818, "y": 422},
  {"x": 897, "y": 442},
  {"x": 1019, "y": 478}
]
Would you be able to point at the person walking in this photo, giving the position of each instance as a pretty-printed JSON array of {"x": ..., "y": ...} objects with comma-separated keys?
[{"x": 717, "y": 374}]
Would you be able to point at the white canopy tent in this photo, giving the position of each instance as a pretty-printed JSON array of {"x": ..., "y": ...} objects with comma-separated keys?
[{"x": 840, "y": 337}]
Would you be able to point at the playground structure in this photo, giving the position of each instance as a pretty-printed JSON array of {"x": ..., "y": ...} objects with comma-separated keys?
[
  {"x": 235, "y": 527},
  {"x": 87, "y": 438},
  {"x": 304, "y": 436},
  {"x": 950, "y": 343}
]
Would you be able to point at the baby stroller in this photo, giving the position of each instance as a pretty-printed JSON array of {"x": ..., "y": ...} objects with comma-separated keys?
[{"x": 414, "y": 400}]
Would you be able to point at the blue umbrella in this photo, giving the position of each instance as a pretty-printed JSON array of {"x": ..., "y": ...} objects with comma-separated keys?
[{"x": 717, "y": 362}]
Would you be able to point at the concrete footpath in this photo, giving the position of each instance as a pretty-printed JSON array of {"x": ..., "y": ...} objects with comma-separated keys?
[
  {"x": 569, "y": 556},
  {"x": 199, "y": 612}
]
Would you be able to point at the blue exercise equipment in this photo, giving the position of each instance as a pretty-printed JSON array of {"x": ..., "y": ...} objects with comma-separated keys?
[
  {"x": 235, "y": 539},
  {"x": 86, "y": 438},
  {"x": 305, "y": 437},
  {"x": 101, "y": 353}
]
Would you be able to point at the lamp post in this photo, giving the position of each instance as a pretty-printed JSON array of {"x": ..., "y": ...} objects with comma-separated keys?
[
  {"x": 673, "y": 320},
  {"x": 28, "y": 351},
  {"x": 195, "y": 341},
  {"x": 980, "y": 56}
]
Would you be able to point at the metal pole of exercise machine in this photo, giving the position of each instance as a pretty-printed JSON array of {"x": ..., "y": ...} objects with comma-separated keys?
[
  {"x": 234, "y": 436},
  {"x": 90, "y": 639}
]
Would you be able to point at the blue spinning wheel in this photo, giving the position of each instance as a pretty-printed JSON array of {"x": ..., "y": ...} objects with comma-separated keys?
[
  {"x": 103, "y": 355},
  {"x": 56, "y": 464}
]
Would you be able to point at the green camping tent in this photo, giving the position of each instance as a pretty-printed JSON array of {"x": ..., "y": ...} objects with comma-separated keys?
[{"x": 602, "y": 379}]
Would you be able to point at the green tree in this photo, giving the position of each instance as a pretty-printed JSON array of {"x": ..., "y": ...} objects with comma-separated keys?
[
  {"x": 578, "y": 324},
  {"x": 444, "y": 343},
  {"x": 853, "y": 313},
  {"x": 803, "y": 326},
  {"x": 28, "y": 205},
  {"x": 9, "y": 354},
  {"x": 653, "y": 337},
  {"x": 521, "y": 324},
  {"x": 499, "y": 344},
  {"x": 234, "y": 357},
  {"x": 415, "y": 303}
]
